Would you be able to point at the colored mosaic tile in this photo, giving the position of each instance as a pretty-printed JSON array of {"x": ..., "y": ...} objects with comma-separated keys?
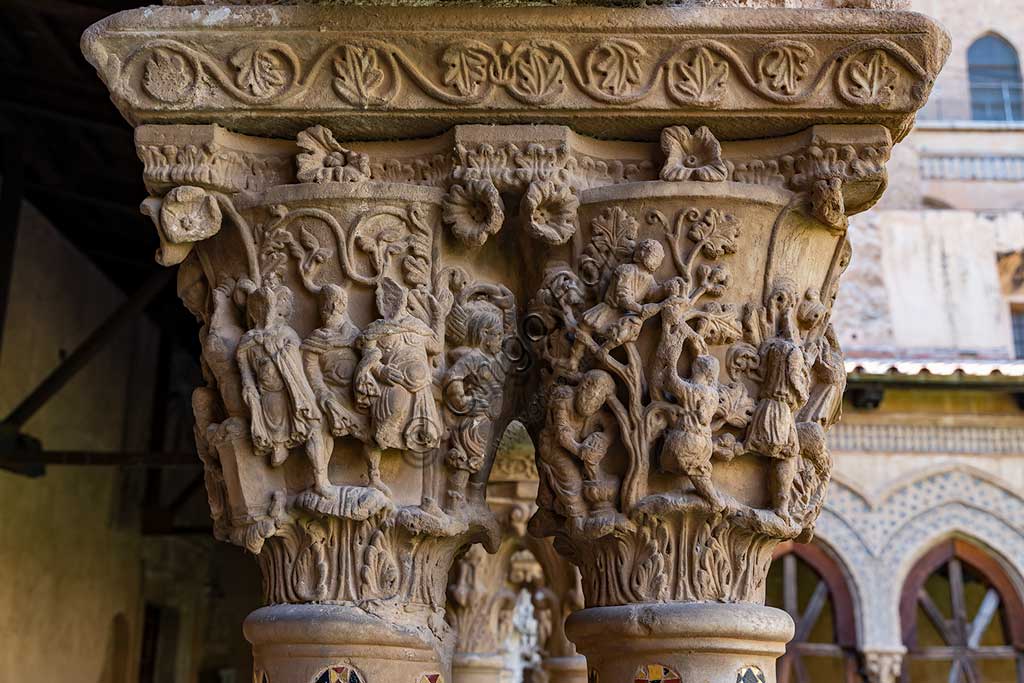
[
  {"x": 656, "y": 673},
  {"x": 430, "y": 678},
  {"x": 339, "y": 674},
  {"x": 751, "y": 674}
]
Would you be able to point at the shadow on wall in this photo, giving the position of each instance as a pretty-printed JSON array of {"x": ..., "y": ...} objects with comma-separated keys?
[{"x": 115, "y": 662}]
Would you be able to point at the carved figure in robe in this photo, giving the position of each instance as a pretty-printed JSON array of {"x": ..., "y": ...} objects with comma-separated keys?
[
  {"x": 577, "y": 432},
  {"x": 627, "y": 302},
  {"x": 274, "y": 385},
  {"x": 784, "y": 390},
  {"x": 394, "y": 377},
  {"x": 330, "y": 358},
  {"x": 828, "y": 372},
  {"x": 677, "y": 336},
  {"x": 205, "y": 408},
  {"x": 689, "y": 444},
  {"x": 473, "y": 392}
]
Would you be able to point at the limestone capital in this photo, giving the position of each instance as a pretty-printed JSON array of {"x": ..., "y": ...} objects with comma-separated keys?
[{"x": 401, "y": 228}]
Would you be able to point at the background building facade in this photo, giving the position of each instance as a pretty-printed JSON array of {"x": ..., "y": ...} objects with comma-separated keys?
[{"x": 916, "y": 571}]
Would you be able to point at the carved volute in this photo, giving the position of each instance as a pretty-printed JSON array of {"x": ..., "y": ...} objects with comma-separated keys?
[{"x": 400, "y": 228}]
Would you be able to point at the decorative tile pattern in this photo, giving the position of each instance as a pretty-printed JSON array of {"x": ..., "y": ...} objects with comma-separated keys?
[
  {"x": 750, "y": 674},
  {"x": 655, "y": 673},
  {"x": 430, "y": 678},
  {"x": 926, "y": 439},
  {"x": 877, "y": 535},
  {"x": 339, "y": 674}
]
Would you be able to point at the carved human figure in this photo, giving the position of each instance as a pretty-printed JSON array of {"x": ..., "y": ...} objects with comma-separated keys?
[
  {"x": 689, "y": 443},
  {"x": 784, "y": 390},
  {"x": 828, "y": 372},
  {"x": 274, "y": 385},
  {"x": 576, "y": 431},
  {"x": 393, "y": 378},
  {"x": 472, "y": 394},
  {"x": 330, "y": 358},
  {"x": 676, "y": 336},
  {"x": 627, "y": 302}
]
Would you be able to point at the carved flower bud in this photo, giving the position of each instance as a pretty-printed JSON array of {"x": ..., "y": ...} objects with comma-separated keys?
[
  {"x": 692, "y": 156},
  {"x": 189, "y": 214},
  {"x": 474, "y": 210},
  {"x": 550, "y": 211}
]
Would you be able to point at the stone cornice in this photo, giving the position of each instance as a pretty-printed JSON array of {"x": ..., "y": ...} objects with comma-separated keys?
[{"x": 623, "y": 73}]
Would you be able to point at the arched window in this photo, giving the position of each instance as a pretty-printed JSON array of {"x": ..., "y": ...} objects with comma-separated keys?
[
  {"x": 806, "y": 582},
  {"x": 963, "y": 621},
  {"x": 994, "y": 72}
]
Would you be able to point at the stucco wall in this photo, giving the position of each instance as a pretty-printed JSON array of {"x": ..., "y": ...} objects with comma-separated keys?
[
  {"x": 70, "y": 602},
  {"x": 927, "y": 281}
]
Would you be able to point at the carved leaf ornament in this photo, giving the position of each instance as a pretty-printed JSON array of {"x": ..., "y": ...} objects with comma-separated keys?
[
  {"x": 872, "y": 80},
  {"x": 699, "y": 78},
  {"x": 784, "y": 65},
  {"x": 260, "y": 71}
]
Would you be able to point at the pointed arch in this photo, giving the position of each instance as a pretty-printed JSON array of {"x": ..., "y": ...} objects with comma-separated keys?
[
  {"x": 993, "y": 70},
  {"x": 961, "y": 617},
  {"x": 808, "y": 582}
]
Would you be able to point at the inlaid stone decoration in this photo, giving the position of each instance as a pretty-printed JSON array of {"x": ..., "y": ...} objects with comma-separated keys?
[
  {"x": 339, "y": 674},
  {"x": 401, "y": 228},
  {"x": 751, "y": 674},
  {"x": 655, "y": 673}
]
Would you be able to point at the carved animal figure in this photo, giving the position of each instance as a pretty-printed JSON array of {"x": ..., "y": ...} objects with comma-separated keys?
[{"x": 676, "y": 336}]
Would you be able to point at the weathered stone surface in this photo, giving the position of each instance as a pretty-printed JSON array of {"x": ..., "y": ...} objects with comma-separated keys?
[
  {"x": 648, "y": 291},
  {"x": 625, "y": 73}
]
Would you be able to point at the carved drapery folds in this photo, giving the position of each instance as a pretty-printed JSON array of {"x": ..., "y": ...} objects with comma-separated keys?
[
  {"x": 680, "y": 328},
  {"x": 690, "y": 369},
  {"x": 636, "y": 256}
]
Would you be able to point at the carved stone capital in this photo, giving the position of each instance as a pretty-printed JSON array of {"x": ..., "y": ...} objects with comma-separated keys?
[
  {"x": 883, "y": 666},
  {"x": 400, "y": 228}
]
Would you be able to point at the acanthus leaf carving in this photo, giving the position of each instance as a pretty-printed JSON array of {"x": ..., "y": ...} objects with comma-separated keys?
[
  {"x": 540, "y": 73},
  {"x": 466, "y": 67},
  {"x": 359, "y": 76},
  {"x": 261, "y": 71},
  {"x": 323, "y": 160},
  {"x": 615, "y": 65}
]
